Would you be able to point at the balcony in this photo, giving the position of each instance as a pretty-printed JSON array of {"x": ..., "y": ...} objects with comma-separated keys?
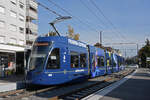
[
  {"x": 22, "y": 2},
  {"x": 33, "y": 27},
  {"x": 2, "y": 2},
  {"x": 31, "y": 37},
  {"x": 32, "y": 14},
  {"x": 33, "y": 4}
]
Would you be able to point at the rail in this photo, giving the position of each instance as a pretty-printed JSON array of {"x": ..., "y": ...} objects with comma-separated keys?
[{"x": 75, "y": 93}]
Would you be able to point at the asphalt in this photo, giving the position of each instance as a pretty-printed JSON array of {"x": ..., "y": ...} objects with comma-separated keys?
[
  {"x": 135, "y": 88},
  {"x": 11, "y": 83}
]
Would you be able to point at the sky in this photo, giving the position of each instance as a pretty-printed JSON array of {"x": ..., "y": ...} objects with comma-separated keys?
[{"x": 124, "y": 21}]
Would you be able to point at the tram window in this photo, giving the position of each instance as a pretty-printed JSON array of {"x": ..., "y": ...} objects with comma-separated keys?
[
  {"x": 83, "y": 60},
  {"x": 102, "y": 61},
  {"x": 98, "y": 61},
  {"x": 74, "y": 59},
  {"x": 114, "y": 64},
  {"x": 118, "y": 62},
  {"x": 110, "y": 62},
  {"x": 54, "y": 59}
]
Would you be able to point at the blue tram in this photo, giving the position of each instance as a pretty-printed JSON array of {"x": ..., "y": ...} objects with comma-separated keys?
[
  {"x": 97, "y": 65},
  {"x": 57, "y": 60},
  {"x": 109, "y": 62},
  {"x": 115, "y": 62}
]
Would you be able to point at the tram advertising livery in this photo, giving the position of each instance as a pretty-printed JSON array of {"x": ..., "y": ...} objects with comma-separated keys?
[{"x": 57, "y": 60}]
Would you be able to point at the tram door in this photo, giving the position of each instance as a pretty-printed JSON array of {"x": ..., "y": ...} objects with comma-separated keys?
[
  {"x": 93, "y": 65},
  {"x": 56, "y": 64}
]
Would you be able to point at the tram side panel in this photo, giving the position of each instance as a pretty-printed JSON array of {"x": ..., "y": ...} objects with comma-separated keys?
[
  {"x": 59, "y": 59},
  {"x": 92, "y": 62},
  {"x": 97, "y": 61},
  {"x": 78, "y": 62},
  {"x": 101, "y": 68},
  {"x": 108, "y": 62},
  {"x": 115, "y": 63}
]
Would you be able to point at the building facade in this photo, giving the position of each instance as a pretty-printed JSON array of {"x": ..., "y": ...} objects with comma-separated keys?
[
  {"x": 16, "y": 18},
  {"x": 31, "y": 22}
]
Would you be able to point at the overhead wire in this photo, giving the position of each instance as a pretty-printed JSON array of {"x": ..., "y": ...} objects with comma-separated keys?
[
  {"x": 52, "y": 11},
  {"x": 93, "y": 13},
  {"x": 108, "y": 20},
  {"x": 77, "y": 18}
]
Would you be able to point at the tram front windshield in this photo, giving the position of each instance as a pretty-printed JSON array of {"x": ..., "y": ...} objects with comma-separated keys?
[{"x": 38, "y": 56}]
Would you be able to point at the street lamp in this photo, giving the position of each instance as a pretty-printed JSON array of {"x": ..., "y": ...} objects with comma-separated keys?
[{"x": 59, "y": 19}]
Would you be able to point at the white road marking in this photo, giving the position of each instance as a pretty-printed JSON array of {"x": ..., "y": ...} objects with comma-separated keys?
[{"x": 101, "y": 93}]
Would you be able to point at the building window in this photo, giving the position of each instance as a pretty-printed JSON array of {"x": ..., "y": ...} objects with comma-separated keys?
[
  {"x": 21, "y": 42},
  {"x": 13, "y": 1},
  {"x": 54, "y": 59},
  {"x": 83, "y": 60},
  {"x": 21, "y": 30},
  {"x": 33, "y": 9},
  {"x": 13, "y": 41},
  {"x": 2, "y": 39},
  {"x": 13, "y": 27},
  {"x": 98, "y": 61},
  {"x": 2, "y": 10},
  {"x": 2, "y": 24},
  {"x": 13, "y": 14},
  {"x": 74, "y": 59},
  {"x": 21, "y": 17},
  {"x": 21, "y": 5},
  {"x": 102, "y": 61}
]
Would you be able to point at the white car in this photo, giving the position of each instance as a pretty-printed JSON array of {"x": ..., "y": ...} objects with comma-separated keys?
[{"x": 134, "y": 66}]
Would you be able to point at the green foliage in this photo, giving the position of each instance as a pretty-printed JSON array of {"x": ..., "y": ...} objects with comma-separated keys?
[
  {"x": 131, "y": 60},
  {"x": 51, "y": 33},
  {"x": 143, "y": 53}
]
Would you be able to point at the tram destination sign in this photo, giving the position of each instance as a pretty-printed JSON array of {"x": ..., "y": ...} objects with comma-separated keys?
[
  {"x": 41, "y": 44},
  {"x": 77, "y": 43}
]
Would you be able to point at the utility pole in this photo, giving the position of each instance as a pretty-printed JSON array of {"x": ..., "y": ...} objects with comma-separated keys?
[
  {"x": 125, "y": 54},
  {"x": 100, "y": 37},
  {"x": 137, "y": 48}
]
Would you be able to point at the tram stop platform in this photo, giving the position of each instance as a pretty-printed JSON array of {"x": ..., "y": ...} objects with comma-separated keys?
[
  {"x": 133, "y": 87},
  {"x": 11, "y": 83}
]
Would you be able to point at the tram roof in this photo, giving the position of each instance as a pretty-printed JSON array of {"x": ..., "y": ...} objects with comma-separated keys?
[{"x": 62, "y": 39}]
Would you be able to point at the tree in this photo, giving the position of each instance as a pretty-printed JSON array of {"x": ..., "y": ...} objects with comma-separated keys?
[
  {"x": 71, "y": 33},
  {"x": 98, "y": 45},
  {"x": 143, "y": 53},
  {"x": 147, "y": 42},
  {"x": 76, "y": 36},
  {"x": 51, "y": 33}
]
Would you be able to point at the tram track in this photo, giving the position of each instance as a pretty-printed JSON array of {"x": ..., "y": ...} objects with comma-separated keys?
[
  {"x": 18, "y": 94},
  {"x": 76, "y": 91},
  {"x": 85, "y": 91},
  {"x": 5, "y": 94}
]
